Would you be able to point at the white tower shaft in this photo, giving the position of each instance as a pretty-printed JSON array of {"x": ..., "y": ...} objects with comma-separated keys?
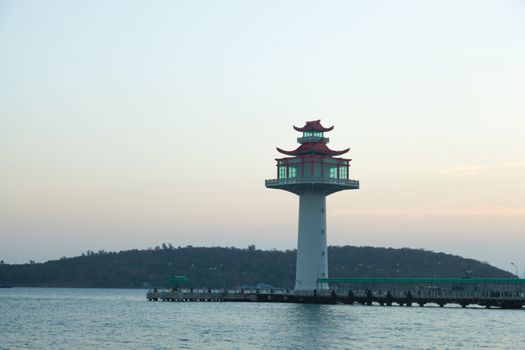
[{"x": 312, "y": 257}]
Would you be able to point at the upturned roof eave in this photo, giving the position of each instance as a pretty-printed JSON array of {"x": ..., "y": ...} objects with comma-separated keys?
[
  {"x": 313, "y": 125},
  {"x": 312, "y": 148}
]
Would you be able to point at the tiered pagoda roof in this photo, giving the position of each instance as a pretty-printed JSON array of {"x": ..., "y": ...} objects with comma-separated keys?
[
  {"x": 314, "y": 125},
  {"x": 316, "y": 146}
]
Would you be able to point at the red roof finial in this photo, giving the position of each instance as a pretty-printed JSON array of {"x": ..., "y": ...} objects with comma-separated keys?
[{"x": 314, "y": 125}]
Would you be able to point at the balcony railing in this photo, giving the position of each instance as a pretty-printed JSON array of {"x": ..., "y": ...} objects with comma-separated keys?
[
  {"x": 312, "y": 180},
  {"x": 302, "y": 140}
]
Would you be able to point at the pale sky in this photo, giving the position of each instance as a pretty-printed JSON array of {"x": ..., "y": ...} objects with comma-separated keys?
[{"x": 128, "y": 124}]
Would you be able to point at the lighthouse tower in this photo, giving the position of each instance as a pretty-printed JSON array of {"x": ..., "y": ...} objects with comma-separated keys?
[{"x": 312, "y": 171}]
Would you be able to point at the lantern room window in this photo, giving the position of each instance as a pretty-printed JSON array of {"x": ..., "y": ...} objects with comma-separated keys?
[
  {"x": 343, "y": 172},
  {"x": 282, "y": 172},
  {"x": 313, "y": 134}
]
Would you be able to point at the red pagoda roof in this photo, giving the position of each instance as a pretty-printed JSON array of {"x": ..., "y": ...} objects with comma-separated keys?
[
  {"x": 318, "y": 147},
  {"x": 314, "y": 125}
]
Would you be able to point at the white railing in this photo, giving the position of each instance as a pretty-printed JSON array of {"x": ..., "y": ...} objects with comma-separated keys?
[
  {"x": 312, "y": 180},
  {"x": 312, "y": 139}
]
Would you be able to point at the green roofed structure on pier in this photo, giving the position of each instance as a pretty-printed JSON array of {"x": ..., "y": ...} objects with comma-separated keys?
[
  {"x": 180, "y": 278},
  {"x": 425, "y": 280},
  {"x": 473, "y": 286}
]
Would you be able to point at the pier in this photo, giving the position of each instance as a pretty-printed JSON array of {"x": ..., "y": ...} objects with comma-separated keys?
[{"x": 489, "y": 293}]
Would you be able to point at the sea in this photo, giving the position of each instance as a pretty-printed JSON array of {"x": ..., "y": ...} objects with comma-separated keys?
[{"x": 64, "y": 318}]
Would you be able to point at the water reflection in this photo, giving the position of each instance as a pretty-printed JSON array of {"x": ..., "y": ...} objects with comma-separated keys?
[
  {"x": 123, "y": 319},
  {"x": 317, "y": 326}
]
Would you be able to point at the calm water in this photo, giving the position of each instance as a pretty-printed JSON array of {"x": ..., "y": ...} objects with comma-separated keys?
[{"x": 47, "y": 318}]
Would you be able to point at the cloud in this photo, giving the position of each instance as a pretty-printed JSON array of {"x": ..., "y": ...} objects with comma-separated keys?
[
  {"x": 412, "y": 214},
  {"x": 467, "y": 170}
]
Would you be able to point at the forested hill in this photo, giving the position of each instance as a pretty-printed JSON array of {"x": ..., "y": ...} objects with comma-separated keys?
[{"x": 233, "y": 267}]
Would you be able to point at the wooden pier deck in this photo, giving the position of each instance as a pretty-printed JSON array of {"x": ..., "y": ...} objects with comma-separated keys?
[{"x": 500, "y": 300}]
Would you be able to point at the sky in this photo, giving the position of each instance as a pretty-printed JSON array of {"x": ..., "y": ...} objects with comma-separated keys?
[{"x": 127, "y": 124}]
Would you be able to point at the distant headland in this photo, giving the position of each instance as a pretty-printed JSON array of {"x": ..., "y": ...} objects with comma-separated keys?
[{"x": 219, "y": 267}]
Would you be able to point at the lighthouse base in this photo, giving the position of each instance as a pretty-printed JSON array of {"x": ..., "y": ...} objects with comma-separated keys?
[{"x": 312, "y": 256}]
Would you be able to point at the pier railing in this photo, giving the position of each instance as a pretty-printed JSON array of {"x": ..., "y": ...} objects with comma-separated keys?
[
  {"x": 506, "y": 299},
  {"x": 488, "y": 292},
  {"x": 448, "y": 294}
]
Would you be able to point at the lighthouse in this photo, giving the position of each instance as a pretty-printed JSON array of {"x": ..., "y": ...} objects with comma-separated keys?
[{"x": 312, "y": 171}]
